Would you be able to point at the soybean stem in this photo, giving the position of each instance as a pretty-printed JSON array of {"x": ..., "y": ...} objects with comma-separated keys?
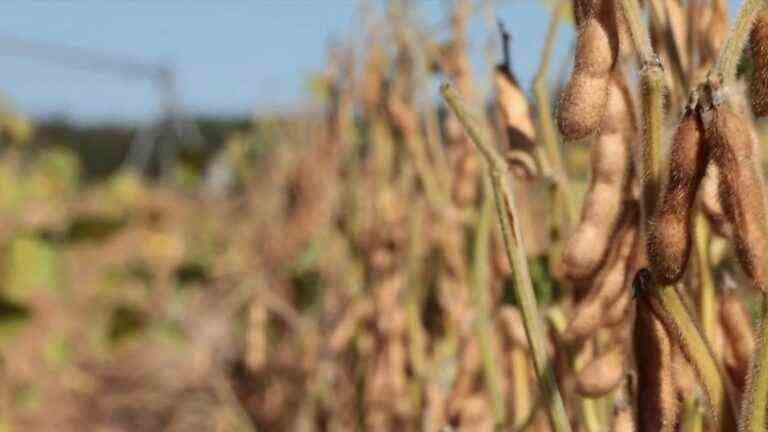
[
  {"x": 639, "y": 31},
  {"x": 728, "y": 60},
  {"x": 755, "y": 403},
  {"x": 706, "y": 281},
  {"x": 511, "y": 233},
  {"x": 481, "y": 278},
  {"x": 670, "y": 308},
  {"x": 653, "y": 122},
  {"x": 546, "y": 125}
]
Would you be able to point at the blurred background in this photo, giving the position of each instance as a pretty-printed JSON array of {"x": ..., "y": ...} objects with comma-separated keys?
[{"x": 258, "y": 215}]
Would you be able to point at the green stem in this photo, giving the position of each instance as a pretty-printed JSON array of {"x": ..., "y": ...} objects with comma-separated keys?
[
  {"x": 506, "y": 209},
  {"x": 482, "y": 325}
]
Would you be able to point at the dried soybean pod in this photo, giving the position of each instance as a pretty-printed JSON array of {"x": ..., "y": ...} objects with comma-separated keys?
[
  {"x": 612, "y": 280},
  {"x": 685, "y": 376},
  {"x": 586, "y": 320},
  {"x": 759, "y": 45},
  {"x": 608, "y": 287},
  {"x": 657, "y": 403},
  {"x": 623, "y": 418},
  {"x": 710, "y": 201},
  {"x": 619, "y": 310},
  {"x": 603, "y": 374},
  {"x": 669, "y": 237},
  {"x": 583, "y": 101},
  {"x": 512, "y": 324},
  {"x": 739, "y": 335},
  {"x": 610, "y": 161},
  {"x": 741, "y": 188}
]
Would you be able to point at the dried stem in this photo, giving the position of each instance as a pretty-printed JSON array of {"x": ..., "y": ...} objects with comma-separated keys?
[
  {"x": 639, "y": 32},
  {"x": 511, "y": 232},
  {"x": 482, "y": 324},
  {"x": 653, "y": 126},
  {"x": 546, "y": 124},
  {"x": 706, "y": 281},
  {"x": 653, "y": 88},
  {"x": 724, "y": 70},
  {"x": 693, "y": 418},
  {"x": 668, "y": 305},
  {"x": 587, "y": 406},
  {"x": 754, "y": 408},
  {"x": 416, "y": 333}
]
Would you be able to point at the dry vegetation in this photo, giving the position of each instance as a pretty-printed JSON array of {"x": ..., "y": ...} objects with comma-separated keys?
[{"x": 400, "y": 263}]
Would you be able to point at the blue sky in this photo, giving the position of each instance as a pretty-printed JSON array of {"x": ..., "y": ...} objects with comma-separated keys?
[{"x": 232, "y": 57}]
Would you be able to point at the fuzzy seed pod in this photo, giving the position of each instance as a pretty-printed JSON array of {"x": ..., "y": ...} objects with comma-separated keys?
[
  {"x": 685, "y": 376},
  {"x": 741, "y": 188},
  {"x": 587, "y": 247},
  {"x": 586, "y": 320},
  {"x": 623, "y": 419},
  {"x": 610, "y": 161},
  {"x": 739, "y": 335},
  {"x": 619, "y": 310},
  {"x": 583, "y": 101},
  {"x": 669, "y": 239},
  {"x": 608, "y": 287},
  {"x": 612, "y": 280},
  {"x": 512, "y": 325},
  {"x": 603, "y": 374},
  {"x": 465, "y": 186},
  {"x": 759, "y": 46},
  {"x": 657, "y": 403},
  {"x": 710, "y": 201}
]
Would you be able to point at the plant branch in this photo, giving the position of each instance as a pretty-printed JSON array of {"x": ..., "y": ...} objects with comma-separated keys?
[
  {"x": 482, "y": 323},
  {"x": 754, "y": 408},
  {"x": 639, "y": 31},
  {"x": 724, "y": 70},
  {"x": 546, "y": 124},
  {"x": 508, "y": 218},
  {"x": 668, "y": 305}
]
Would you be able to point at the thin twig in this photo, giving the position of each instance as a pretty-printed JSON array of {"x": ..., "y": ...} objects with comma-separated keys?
[
  {"x": 546, "y": 125},
  {"x": 482, "y": 325},
  {"x": 511, "y": 232}
]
